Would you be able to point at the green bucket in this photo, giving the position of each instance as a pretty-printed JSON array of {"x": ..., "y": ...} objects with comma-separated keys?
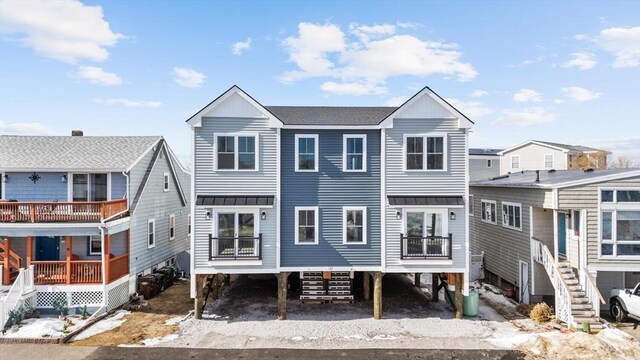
[{"x": 471, "y": 303}]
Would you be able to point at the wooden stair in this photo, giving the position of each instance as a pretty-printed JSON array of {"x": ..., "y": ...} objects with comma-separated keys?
[
  {"x": 581, "y": 309},
  {"x": 15, "y": 261}
]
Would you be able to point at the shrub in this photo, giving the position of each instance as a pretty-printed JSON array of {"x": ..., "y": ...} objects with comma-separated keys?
[
  {"x": 61, "y": 306},
  {"x": 541, "y": 313}
]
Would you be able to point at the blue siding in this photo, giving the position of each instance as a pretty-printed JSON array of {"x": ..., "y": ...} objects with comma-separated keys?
[
  {"x": 48, "y": 188},
  {"x": 118, "y": 186},
  {"x": 330, "y": 189}
]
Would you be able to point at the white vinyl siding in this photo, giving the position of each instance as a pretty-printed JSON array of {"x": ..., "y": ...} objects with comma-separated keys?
[
  {"x": 425, "y": 152},
  {"x": 512, "y": 215},
  {"x": 306, "y": 231},
  {"x": 151, "y": 233},
  {"x": 235, "y": 152},
  {"x": 354, "y": 226},
  {"x": 488, "y": 211},
  {"x": 306, "y": 153},
  {"x": 354, "y": 153}
]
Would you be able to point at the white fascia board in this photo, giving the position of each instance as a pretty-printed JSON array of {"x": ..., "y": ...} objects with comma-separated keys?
[
  {"x": 332, "y": 127},
  {"x": 531, "y": 142}
]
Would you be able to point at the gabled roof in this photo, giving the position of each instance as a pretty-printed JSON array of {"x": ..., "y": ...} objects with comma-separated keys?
[
  {"x": 72, "y": 153},
  {"x": 557, "y": 146},
  {"x": 485, "y": 152},
  {"x": 552, "y": 179},
  {"x": 330, "y": 115}
]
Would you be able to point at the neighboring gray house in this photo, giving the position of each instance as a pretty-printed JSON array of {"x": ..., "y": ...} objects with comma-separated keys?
[
  {"x": 328, "y": 192},
  {"x": 82, "y": 216},
  {"x": 545, "y": 155},
  {"x": 484, "y": 164},
  {"x": 570, "y": 234}
]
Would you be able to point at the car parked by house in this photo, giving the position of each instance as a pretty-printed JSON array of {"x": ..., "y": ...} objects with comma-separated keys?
[{"x": 625, "y": 303}]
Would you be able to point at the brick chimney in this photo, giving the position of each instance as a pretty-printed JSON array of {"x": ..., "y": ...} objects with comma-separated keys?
[{"x": 77, "y": 133}]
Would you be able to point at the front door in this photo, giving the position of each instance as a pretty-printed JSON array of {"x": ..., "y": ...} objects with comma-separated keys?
[
  {"x": 562, "y": 234},
  {"x": 236, "y": 232},
  {"x": 524, "y": 282},
  {"x": 47, "y": 248}
]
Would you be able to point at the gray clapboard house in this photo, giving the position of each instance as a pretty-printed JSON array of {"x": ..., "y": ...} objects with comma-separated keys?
[
  {"x": 82, "y": 216},
  {"x": 484, "y": 163},
  {"x": 328, "y": 193},
  {"x": 570, "y": 235}
]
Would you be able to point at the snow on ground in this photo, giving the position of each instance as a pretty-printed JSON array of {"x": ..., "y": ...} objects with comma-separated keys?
[
  {"x": 106, "y": 324},
  {"x": 44, "y": 327}
]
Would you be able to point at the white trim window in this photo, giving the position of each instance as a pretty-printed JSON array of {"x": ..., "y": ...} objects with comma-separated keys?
[
  {"x": 548, "y": 161},
  {"x": 619, "y": 223},
  {"x": 165, "y": 182},
  {"x": 354, "y": 228},
  {"x": 488, "y": 211},
  {"x": 306, "y": 231},
  {"x": 354, "y": 153},
  {"x": 95, "y": 244},
  {"x": 306, "y": 152},
  {"x": 515, "y": 162},
  {"x": 471, "y": 205},
  {"x": 512, "y": 215},
  {"x": 426, "y": 152},
  {"x": 172, "y": 227},
  {"x": 151, "y": 233},
  {"x": 235, "y": 152}
]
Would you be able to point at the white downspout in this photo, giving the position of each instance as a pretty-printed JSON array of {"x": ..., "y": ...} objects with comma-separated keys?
[{"x": 104, "y": 269}]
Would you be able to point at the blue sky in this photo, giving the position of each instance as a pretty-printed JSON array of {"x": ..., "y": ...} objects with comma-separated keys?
[{"x": 563, "y": 71}]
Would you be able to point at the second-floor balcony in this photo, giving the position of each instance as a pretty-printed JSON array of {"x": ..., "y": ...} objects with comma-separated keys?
[
  {"x": 425, "y": 247},
  {"x": 53, "y": 212},
  {"x": 235, "y": 248}
]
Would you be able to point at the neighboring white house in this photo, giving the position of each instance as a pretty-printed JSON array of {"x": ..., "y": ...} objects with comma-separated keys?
[
  {"x": 544, "y": 155},
  {"x": 484, "y": 163}
]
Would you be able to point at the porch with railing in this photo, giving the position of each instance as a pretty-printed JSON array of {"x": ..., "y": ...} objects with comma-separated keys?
[
  {"x": 52, "y": 212},
  {"x": 425, "y": 247}
]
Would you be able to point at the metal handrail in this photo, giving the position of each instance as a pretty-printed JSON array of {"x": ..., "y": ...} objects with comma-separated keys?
[
  {"x": 443, "y": 243},
  {"x": 234, "y": 248}
]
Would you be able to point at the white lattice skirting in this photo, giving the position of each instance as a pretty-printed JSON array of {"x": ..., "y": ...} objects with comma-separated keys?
[
  {"x": 117, "y": 293},
  {"x": 79, "y": 296}
]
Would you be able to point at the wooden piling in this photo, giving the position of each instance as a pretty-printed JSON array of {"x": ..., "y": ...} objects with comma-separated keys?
[
  {"x": 282, "y": 295},
  {"x": 458, "y": 300},
  {"x": 377, "y": 295},
  {"x": 198, "y": 301},
  {"x": 435, "y": 279},
  {"x": 366, "y": 285}
]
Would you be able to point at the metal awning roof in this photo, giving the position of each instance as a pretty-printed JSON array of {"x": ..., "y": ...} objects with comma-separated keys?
[
  {"x": 232, "y": 200},
  {"x": 425, "y": 200}
]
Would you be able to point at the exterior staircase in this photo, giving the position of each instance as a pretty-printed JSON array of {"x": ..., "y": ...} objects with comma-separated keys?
[{"x": 582, "y": 310}]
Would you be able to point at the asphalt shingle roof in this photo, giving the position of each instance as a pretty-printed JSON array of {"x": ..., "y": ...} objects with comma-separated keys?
[
  {"x": 569, "y": 147},
  {"x": 330, "y": 115},
  {"x": 549, "y": 179},
  {"x": 72, "y": 152}
]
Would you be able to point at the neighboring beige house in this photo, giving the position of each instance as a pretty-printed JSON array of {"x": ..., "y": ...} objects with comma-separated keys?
[
  {"x": 544, "y": 155},
  {"x": 570, "y": 234}
]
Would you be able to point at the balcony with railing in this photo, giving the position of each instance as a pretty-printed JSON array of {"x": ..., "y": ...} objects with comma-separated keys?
[
  {"x": 65, "y": 212},
  {"x": 235, "y": 248},
  {"x": 425, "y": 247}
]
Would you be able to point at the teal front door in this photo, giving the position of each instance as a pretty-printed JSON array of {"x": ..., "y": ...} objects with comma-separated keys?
[
  {"x": 562, "y": 234},
  {"x": 47, "y": 248}
]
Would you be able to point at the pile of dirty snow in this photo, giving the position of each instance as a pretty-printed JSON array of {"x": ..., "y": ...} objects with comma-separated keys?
[
  {"x": 44, "y": 327},
  {"x": 106, "y": 324}
]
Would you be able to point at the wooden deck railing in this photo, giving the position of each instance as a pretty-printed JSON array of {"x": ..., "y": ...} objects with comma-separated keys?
[
  {"x": 49, "y": 212},
  {"x": 55, "y": 272},
  {"x": 118, "y": 267},
  {"x": 86, "y": 272},
  {"x": 49, "y": 272}
]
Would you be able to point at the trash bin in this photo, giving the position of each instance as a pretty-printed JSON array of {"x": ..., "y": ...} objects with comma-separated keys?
[
  {"x": 161, "y": 280},
  {"x": 147, "y": 286},
  {"x": 471, "y": 303},
  {"x": 168, "y": 276}
]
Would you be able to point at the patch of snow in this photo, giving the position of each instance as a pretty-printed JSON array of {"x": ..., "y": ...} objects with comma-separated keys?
[
  {"x": 174, "y": 320},
  {"x": 159, "y": 340},
  {"x": 106, "y": 324},
  {"x": 44, "y": 327},
  {"x": 493, "y": 294}
]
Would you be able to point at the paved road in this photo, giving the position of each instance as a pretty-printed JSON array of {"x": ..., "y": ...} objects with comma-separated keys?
[{"x": 60, "y": 352}]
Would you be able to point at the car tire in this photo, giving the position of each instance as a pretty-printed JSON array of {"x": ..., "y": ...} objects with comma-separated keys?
[{"x": 617, "y": 312}]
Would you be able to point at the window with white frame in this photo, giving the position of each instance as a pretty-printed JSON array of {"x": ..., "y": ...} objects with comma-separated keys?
[
  {"x": 548, "y": 161},
  {"x": 512, "y": 215},
  {"x": 354, "y": 225},
  {"x": 306, "y": 152},
  {"x": 354, "y": 153},
  {"x": 236, "y": 152},
  {"x": 620, "y": 223},
  {"x": 471, "y": 207},
  {"x": 488, "y": 211},
  {"x": 425, "y": 152},
  {"x": 172, "y": 226},
  {"x": 515, "y": 161},
  {"x": 151, "y": 233},
  {"x": 95, "y": 245},
  {"x": 188, "y": 224},
  {"x": 306, "y": 231},
  {"x": 165, "y": 185}
]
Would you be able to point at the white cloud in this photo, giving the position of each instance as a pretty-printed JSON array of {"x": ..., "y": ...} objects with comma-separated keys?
[
  {"x": 621, "y": 42},
  {"x": 473, "y": 109},
  {"x": 98, "y": 76},
  {"x": 396, "y": 101},
  {"x": 369, "y": 55},
  {"x": 152, "y": 104},
  {"x": 526, "y": 117},
  {"x": 409, "y": 25},
  {"x": 352, "y": 88},
  {"x": 479, "y": 93},
  {"x": 527, "y": 95},
  {"x": 24, "y": 128},
  {"x": 188, "y": 77},
  {"x": 575, "y": 93},
  {"x": 239, "y": 47},
  {"x": 582, "y": 61},
  {"x": 65, "y": 30}
]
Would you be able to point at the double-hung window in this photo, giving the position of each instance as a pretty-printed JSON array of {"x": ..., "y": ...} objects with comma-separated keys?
[
  {"x": 548, "y": 161},
  {"x": 512, "y": 215},
  {"x": 236, "y": 152},
  {"x": 620, "y": 223},
  {"x": 354, "y": 225},
  {"x": 165, "y": 182},
  {"x": 95, "y": 245},
  {"x": 515, "y": 162},
  {"x": 172, "y": 226},
  {"x": 306, "y": 231},
  {"x": 488, "y": 211},
  {"x": 306, "y": 152},
  {"x": 151, "y": 233},
  {"x": 425, "y": 152},
  {"x": 354, "y": 153}
]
